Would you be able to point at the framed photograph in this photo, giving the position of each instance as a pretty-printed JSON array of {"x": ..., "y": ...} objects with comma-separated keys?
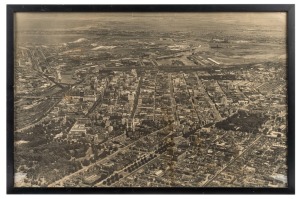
[{"x": 151, "y": 99}]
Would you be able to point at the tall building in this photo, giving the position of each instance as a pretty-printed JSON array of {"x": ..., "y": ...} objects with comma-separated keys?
[
  {"x": 58, "y": 76},
  {"x": 224, "y": 100},
  {"x": 131, "y": 97},
  {"x": 96, "y": 83}
]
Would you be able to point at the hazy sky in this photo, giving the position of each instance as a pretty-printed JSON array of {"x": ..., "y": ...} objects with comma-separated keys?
[{"x": 54, "y": 20}]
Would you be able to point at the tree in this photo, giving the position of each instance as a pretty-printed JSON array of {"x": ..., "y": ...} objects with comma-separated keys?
[{"x": 85, "y": 162}]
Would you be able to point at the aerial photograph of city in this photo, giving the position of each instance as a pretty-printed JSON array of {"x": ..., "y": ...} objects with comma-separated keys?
[{"x": 151, "y": 99}]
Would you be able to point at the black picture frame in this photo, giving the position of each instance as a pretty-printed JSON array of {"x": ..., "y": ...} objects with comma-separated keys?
[{"x": 289, "y": 9}]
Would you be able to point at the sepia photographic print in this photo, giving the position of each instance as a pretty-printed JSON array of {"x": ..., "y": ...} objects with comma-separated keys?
[{"x": 150, "y": 100}]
